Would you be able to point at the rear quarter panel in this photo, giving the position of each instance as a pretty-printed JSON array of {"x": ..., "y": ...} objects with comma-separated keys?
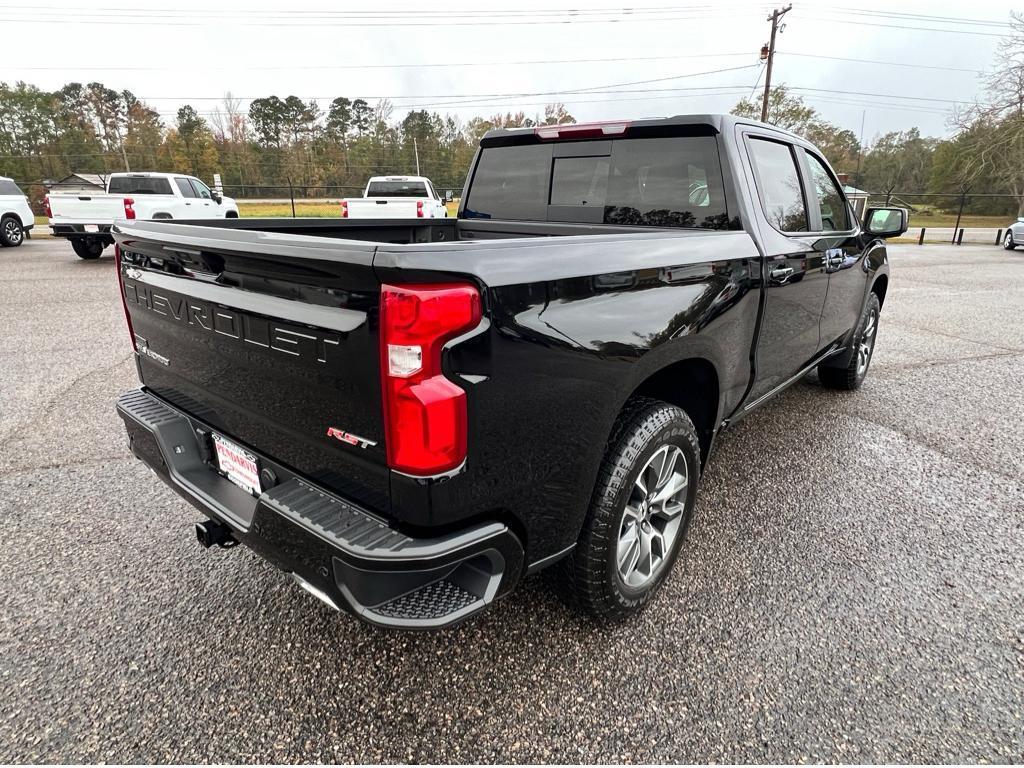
[{"x": 559, "y": 356}]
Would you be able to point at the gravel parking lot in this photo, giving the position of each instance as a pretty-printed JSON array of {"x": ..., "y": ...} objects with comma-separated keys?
[{"x": 853, "y": 588}]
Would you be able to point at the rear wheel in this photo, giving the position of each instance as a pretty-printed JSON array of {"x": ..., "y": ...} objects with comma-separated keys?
[
  {"x": 852, "y": 375},
  {"x": 1008, "y": 243},
  {"x": 639, "y": 513},
  {"x": 11, "y": 232},
  {"x": 87, "y": 248}
]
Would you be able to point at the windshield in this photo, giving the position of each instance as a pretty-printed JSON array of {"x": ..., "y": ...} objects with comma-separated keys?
[
  {"x": 139, "y": 185},
  {"x": 396, "y": 189}
]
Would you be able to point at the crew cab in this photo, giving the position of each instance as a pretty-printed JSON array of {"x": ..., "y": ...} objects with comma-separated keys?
[
  {"x": 16, "y": 217},
  {"x": 408, "y": 417},
  {"x": 396, "y": 197},
  {"x": 85, "y": 219}
]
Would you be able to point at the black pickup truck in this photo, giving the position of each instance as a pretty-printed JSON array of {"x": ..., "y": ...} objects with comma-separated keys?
[{"x": 410, "y": 416}]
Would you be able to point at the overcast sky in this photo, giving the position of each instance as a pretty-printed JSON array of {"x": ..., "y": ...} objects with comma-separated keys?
[{"x": 466, "y": 56}]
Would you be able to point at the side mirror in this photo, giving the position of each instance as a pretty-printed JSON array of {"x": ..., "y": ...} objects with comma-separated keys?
[
  {"x": 886, "y": 222},
  {"x": 218, "y": 198},
  {"x": 448, "y": 197}
]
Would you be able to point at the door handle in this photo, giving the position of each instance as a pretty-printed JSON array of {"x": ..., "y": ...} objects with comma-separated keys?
[{"x": 781, "y": 273}]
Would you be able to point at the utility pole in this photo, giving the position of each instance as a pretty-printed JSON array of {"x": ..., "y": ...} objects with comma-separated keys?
[
  {"x": 416, "y": 149},
  {"x": 777, "y": 14}
]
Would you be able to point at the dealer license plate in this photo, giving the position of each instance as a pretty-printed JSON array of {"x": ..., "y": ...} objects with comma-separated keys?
[{"x": 239, "y": 465}]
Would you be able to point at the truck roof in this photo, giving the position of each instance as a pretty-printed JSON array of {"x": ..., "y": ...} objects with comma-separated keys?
[
  {"x": 398, "y": 178},
  {"x": 719, "y": 122},
  {"x": 149, "y": 174}
]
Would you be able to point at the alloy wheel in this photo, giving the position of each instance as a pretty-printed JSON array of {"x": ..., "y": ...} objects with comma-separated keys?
[
  {"x": 12, "y": 232},
  {"x": 867, "y": 343},
  {"x": 653, "y": 517}
]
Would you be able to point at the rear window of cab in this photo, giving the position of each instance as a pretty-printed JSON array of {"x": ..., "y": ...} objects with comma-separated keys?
[{"x": 653, "y": 182}]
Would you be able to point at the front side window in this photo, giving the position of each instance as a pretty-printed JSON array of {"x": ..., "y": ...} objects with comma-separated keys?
[
  {"x": 778, "y": 183},
  {"x": 201, "y": 189},
  {"x": 834, "y": 215}
]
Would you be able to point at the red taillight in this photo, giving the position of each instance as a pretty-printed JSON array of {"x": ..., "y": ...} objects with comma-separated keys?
[
  {"x": 419, "y": 209},
  {"x": 425, "y": 422},
  {"x": 581, "y": 130},
  {"x": 46, "y": 207},
  {"x": 129, "y": 211},
  {"x": 344, "y": 209},
  {"x": 124, "y": 300}
]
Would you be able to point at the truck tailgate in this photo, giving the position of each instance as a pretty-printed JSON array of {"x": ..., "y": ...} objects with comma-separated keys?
[
  {"x": 268, "y": 340},
  {"x": 86, "y": 209},
  {"x": 382, "y": 208}
]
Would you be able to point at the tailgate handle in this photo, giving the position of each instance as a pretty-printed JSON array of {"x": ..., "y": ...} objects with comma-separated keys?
[{"x": 381, "y": 202}]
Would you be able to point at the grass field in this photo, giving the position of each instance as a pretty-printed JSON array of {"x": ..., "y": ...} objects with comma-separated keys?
[
  {"x": 330, "y": 210},
  {"x": 948, "y": 220}
]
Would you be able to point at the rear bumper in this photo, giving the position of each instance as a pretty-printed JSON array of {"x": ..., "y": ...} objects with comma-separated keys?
[
  {"x": 78, "y": 230},
  {"x": 348, "y": 557}
]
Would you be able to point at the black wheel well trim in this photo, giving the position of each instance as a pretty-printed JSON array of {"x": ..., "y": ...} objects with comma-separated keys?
[
  {"x": 692, "y": 384},
  {"x": 879, "y": 287}
]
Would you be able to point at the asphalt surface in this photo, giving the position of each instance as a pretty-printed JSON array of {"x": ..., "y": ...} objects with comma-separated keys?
[{"x": 852, "y": 589}]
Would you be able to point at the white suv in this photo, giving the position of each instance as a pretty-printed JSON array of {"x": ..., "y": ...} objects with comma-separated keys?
[{"x": 16, "y": 217}]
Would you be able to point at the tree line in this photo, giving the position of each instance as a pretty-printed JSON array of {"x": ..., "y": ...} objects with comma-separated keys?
[
  {"x": 281, "y": 144},
  {"x": 275, "y": 145}
]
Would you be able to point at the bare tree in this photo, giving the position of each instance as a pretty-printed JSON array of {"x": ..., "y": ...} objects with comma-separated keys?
[{"x": 992, "y": 131}]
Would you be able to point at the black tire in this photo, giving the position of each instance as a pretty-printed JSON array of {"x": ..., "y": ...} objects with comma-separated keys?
[
  {"x": 11, "y": 232},
  {"x": 1008, "y": 243},
  {"x": 230, "y": 215},
  {"x": 591, "y": 575},
  {"x": 852, "y": 375},
  {"x": 87, "y": 248}
]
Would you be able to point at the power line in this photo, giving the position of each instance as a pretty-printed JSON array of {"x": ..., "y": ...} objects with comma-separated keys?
[
  {"x": 585, "y": 89},
  {"x": 876, "y": 61},
  {"x": 904, "y": 26},
  {"x": 413, "y": 65}
]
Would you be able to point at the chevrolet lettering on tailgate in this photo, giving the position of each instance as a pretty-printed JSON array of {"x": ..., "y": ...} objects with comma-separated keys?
[{"x": 298, "y": 341}]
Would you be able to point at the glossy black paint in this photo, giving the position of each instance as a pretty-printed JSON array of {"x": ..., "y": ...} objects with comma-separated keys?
[{"x": 577, "y": 318}]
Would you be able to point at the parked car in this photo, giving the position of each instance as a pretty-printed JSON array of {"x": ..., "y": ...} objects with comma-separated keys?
[
  {"x": 1014, "y": 234},
  {"x": 85, "y": 219},
  {"x": 408, "y": 417},
  {"x": 16, "y": 217},
  {"x": 396, "y": 197}
]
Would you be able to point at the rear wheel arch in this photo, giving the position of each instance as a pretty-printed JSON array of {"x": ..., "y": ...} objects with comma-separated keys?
[
  {"x": 162, "y": 215},
  {"x": 693, "y": 385}
]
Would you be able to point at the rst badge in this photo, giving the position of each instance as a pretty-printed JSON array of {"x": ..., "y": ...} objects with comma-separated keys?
[{"x": 348, "y": 437}]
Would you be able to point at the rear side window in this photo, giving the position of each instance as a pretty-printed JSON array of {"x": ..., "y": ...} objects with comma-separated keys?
[
  {"x": 184, "y": 187},
  {"x": 10, "y": 188},
  {"x": 779, "y": 185},
  {"x": 139, "y": 185},
  {"x": 396, "y": 189},
  {"x": 830, "y": 201},
  {"x": 656, "y": 182}
]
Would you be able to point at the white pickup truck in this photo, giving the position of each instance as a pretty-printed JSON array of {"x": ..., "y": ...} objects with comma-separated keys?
[
  {"x": 396, "y": 197},
  {"x": 85, "y": 219}
]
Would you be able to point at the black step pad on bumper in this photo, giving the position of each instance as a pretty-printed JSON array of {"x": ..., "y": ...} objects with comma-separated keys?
[{"x": 347, "y": 556}]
